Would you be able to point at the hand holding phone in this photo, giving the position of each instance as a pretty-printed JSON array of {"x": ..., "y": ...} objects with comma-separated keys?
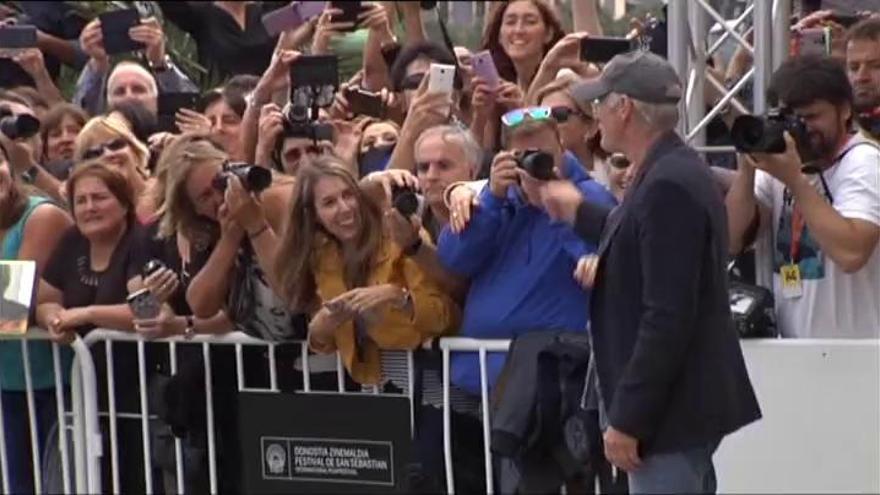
[
  {"x": 144, "y": 305},
  {"x": 484, "y": 67},
  {"x": 441, "y": 78},
  {"x": 350, "y": 11},
  {"x": 114, "y": 30},
  {"x": 291, "y": 16},
  {"x": 362, "y": 102},
  {"x": 15, "y": 39}
]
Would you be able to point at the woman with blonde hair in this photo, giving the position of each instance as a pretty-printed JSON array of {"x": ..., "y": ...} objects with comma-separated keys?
[
  {"x": 108, "y": 140},
  {"x": 337, "y": 262}
]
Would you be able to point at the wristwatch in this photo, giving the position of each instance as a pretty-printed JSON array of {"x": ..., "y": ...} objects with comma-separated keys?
[
  {"x": 162, "y": 66},
  {"x": 190, "y": 331}
]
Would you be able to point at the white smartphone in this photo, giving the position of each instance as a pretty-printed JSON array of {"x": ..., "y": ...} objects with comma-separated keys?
[{"x": 440, "y": 78}]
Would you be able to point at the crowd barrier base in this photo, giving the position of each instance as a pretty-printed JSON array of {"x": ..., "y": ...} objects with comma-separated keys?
[{"x": 820, "y": 399}]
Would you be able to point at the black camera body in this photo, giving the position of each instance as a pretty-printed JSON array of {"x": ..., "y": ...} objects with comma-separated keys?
[
  {"x": 537, "y": 163},
  {"x": 254, "y": 178},
  {"x": 753, "y": 134},
  {"x": 405, "y": 201},
  {"x": 22, "y": 126}
]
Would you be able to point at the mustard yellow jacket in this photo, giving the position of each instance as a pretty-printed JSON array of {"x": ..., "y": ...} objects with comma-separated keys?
[{"x": 434, "y": 312}]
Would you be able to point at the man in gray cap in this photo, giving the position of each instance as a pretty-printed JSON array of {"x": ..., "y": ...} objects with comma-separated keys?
[{"x": 667, "y": 373}]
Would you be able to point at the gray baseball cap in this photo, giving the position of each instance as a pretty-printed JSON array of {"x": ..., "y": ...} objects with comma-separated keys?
[{"x": 641, "y": 75}]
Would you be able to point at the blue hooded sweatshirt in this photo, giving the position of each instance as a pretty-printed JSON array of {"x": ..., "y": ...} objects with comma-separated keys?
[{"x": 520, "y": 264}]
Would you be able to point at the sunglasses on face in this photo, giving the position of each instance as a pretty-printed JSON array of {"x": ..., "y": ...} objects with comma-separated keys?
[
  {"x": 516, "y": 117},
  {"x": 562, "y": 114},
  {"x": 99, "y": 150}
]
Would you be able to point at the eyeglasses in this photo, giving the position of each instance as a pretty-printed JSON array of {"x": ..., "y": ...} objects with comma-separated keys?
[
  {"x": 99, "y": 150},
  {"x": 516, "y": 117},
  {"x": 618, "y": 161}
]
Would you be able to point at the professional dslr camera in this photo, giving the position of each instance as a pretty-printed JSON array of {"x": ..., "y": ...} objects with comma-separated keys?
[
  {"x": 537, "y": 163},
  {"x": 753, "y": 134},
  {"x": 18, "y": 126},
  {"x": 254, "y": 178}
]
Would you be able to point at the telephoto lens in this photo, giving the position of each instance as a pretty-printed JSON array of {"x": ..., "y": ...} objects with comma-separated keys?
[
  {"x": 537, "y": 163},
  {"x": 18, "y": 126},
  {"x": 254, "y": 178}
]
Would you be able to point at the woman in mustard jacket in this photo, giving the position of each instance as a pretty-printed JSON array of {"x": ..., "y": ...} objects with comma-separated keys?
[{"x": 338, "y": 262}]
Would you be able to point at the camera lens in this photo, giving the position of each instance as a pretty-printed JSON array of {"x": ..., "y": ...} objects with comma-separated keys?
[
  {"x": 405, "y": 201},
  {"x": 538, "y": 164},
  {"x": 19, "y": 126}
]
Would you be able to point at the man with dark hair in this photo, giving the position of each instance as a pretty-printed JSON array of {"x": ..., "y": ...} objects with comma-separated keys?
[
  {"x": 819, "y": 203},
  {"x": 863, "y": 68}
]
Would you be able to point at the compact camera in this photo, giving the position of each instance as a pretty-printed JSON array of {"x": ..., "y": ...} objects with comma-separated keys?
[
  {"x": 537, "y": 163},
  {"x": 254, "y": 178}
]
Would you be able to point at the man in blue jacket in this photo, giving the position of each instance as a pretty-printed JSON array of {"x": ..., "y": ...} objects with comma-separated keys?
[{"x": 520, "y": 263}]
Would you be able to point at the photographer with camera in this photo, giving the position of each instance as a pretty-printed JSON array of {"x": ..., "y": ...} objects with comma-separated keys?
[
  {"x": 22, "y": 144},
  {"x": 519, "y": 261},
  {"x": 812, "y": 185},
  {"x": 863, "y": 68}
]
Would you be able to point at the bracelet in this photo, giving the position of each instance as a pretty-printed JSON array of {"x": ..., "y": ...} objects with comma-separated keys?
[{"x": 259, "y": 232}]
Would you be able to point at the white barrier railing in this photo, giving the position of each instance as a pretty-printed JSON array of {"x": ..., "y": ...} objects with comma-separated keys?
[
  {"x": 820, "y": 399},
  {"x": 78, "y": 479},
  {"x": 239, "y": 340}
]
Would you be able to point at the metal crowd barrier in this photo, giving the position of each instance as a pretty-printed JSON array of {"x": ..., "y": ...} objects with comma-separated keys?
[
  {"x": 77, "y": 478},
  {"x": 817, "y": 395}
]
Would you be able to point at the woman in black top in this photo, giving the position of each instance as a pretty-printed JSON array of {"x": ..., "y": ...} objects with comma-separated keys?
[
  {"x": 84, "y": 286},
  {"x": 230, "y": 36}
]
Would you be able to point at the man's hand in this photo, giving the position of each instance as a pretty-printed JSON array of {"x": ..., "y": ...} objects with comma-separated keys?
[
  {"x": 786, "y": 167},
  {"x": 561, "y": 200},
  {"x": 621, "y": 450},
  {"x": 585, "y": 272},
  {"x": 503, "y": 174},
  {"x": 327, "y": 30},
  {"x": 91, "y": 39},
  {"x": 149, "y": 32}
]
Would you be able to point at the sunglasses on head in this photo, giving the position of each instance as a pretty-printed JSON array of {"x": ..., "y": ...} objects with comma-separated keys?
[
  {"x": 99, "y": 150},
  {"x": 516, "y": 117}
]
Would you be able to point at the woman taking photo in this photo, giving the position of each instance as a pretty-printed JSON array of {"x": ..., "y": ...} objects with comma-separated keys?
[
  {"x": 30, "y": 228},
  {"x": 337, "y": 262}
]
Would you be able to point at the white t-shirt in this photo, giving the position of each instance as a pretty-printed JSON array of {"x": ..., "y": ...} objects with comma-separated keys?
[{"x": 834, "y": 304}]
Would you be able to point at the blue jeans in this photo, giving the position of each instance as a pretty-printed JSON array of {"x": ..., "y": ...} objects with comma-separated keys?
[
  {"x": 689, "y": 471},
  {"x": 18, "y": 434}
]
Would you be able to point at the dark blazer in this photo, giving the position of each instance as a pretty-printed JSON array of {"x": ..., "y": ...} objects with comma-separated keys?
[{"x": 670, "y": 368}]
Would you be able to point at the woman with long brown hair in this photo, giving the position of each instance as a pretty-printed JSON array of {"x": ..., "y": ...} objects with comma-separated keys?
[{"x": 337, "y": 262}]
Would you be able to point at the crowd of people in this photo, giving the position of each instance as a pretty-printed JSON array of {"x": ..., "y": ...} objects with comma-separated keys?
[{"x": 364, "y": 231}]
